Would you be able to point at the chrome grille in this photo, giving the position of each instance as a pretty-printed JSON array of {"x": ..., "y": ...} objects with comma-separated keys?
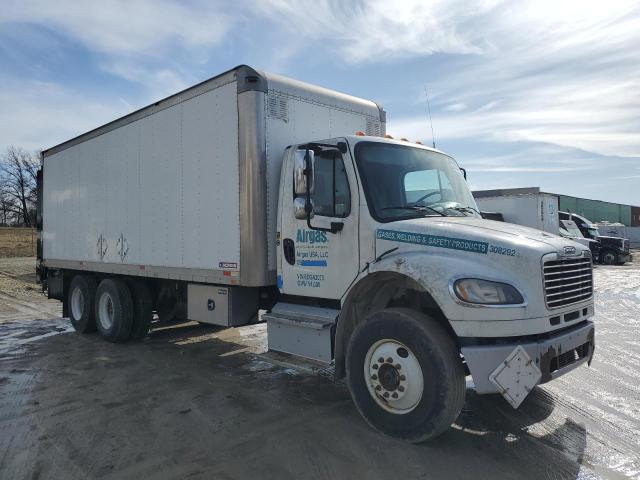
[{"x": 567, "y": 281}]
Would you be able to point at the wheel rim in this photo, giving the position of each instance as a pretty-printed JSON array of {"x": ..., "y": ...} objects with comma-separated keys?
[
  {"x": 77, "y": 303},
  {"x": 393, "y": 376},
  {"x": 105, "y": 311},
  {"x": 609, "y": 258}
]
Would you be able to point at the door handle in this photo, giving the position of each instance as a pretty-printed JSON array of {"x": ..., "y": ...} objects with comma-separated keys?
[{"x": 289, "y": 250}]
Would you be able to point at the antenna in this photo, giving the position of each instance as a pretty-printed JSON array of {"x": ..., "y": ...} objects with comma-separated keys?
[{"x": 433, "y": 138}]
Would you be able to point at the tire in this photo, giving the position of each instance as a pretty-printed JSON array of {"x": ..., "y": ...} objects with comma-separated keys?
[
  {"x": 114, "y": 310},
  {"x": 142, "y": 310},
  {"x": 430, "y": 396},
  {"x": 167, "y": 306},
  {"x": 82, "y": 292},
  {"x": 608, "y": 257}
]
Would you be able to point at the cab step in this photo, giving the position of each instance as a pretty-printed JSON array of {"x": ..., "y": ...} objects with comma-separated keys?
[{"x": 302, "y": 330}]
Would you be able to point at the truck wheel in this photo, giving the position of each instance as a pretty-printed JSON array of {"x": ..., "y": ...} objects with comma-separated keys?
[
  {"x": 142, "y": 310},
  {"x": 405, "y": 374},
  {"x": 114, "y": 310},
  {"x": 609, "y": 257},
  {"x": 82, "y": 292}
]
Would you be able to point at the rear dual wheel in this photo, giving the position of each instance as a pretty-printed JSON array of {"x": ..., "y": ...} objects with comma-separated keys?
[
  {"x": 114, "y": 310},
  {"x": 119, "y": 311},
  {"x": 82, "y": 292}
]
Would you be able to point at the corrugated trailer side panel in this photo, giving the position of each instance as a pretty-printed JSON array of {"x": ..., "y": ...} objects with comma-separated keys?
[{"x": 162, "y": 191}]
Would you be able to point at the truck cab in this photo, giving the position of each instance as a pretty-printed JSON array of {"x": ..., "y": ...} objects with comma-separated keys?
[
  {"x": 382, "y": 247},
  {"x": 613, "y": 250},
  {"x": 569, "y": 229}
]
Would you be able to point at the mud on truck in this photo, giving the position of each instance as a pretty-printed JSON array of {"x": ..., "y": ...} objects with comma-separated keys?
[{"x": 254, "y": 192}]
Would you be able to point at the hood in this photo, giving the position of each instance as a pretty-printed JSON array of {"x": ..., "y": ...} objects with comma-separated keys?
[
  {"x": 605, "y": 238},
  {"x": 500, "y": 234}
]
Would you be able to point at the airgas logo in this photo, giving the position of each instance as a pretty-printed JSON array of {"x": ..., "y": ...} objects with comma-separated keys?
[{"x": 310, "y": 236}]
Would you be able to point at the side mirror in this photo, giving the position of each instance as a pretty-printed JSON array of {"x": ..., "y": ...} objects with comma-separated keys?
[
  {"x": 300, "y": 208},
  {"x": 300, "y": 173}
]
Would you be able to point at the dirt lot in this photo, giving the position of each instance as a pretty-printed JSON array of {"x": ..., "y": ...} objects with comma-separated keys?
[
  {"x": 190, "y": 402},
  {"x": 17, "y": 242}
]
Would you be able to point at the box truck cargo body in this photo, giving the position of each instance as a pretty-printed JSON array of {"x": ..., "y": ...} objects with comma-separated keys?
[
  {"x": 532, "y": 208},
  {"x": 253, "y": 191},
  {"x": 187, "y": 188},
  {"x": 523, "y": 206}
]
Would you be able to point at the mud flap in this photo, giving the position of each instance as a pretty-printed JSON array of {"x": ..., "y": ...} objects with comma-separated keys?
[{"x": 516, "y": 376}]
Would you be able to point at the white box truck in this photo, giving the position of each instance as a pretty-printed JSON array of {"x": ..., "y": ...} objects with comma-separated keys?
[
  {"x": 532, "y": 208},
  {"x": 523, "y": 206},
  {"x": 252, "y": 191}
]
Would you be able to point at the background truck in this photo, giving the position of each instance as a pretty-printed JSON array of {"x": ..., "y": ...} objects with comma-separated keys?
[
  {"x": 532, "y": 208},
  {"x": 250, "y": 191},
  {"x": 613, "y": 250},
  {"x": 569, "y": 229}
]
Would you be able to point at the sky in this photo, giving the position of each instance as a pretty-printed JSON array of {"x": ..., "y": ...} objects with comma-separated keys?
[{"x": 528, "y": 93}]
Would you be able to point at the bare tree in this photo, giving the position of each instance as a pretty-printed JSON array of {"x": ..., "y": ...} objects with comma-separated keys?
[
  {"x": 6, "y": 207},
  {"x": 18, "y": 172}
]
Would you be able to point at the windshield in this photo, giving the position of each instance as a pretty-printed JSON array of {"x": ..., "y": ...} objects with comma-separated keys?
[
  {"x": 593, "y": 231},
  {"x": 571, "y": 229},
  {"x": 407, "y": 182}
]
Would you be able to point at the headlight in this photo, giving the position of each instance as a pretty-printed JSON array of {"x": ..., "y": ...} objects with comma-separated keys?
[{"x": 485, "y": 292}]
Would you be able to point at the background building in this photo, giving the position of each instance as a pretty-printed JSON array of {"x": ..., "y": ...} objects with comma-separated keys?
[{"x": 598, "y": 211}]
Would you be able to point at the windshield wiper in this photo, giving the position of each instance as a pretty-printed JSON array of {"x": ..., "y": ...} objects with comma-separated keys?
[
  {"x": 467, "y": 208},
  {"x": 416, "y": 208}
]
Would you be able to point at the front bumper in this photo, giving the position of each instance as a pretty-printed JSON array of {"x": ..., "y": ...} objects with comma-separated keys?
[
  {"x": 625, "y": 257},
  {"x": 554, "y": 355}
]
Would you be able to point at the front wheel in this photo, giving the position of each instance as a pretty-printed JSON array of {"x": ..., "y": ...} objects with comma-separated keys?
[
  {"x": 609, "y": 257},
  {"x": 405, "y": 374}
]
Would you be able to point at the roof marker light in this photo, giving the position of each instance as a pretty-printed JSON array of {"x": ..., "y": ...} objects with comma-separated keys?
[
  {"x": 404, "y": 139},
  {"x": 388, "y": 136},
  {"x": 359, "y": 133}
]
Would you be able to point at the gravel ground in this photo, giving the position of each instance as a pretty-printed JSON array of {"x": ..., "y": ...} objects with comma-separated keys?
[{"x": 194, "y": 402}]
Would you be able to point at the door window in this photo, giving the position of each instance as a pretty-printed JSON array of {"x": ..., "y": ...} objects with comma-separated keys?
[{"x": 331, "y": 194}]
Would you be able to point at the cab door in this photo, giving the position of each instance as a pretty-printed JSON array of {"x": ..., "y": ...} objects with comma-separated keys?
[{"x": 317, "y": 263}]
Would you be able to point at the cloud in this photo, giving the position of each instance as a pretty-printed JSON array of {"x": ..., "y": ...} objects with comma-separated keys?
[
  {"x": 564, "y": 74},
  {"x": 39, "y": 115},
  {"x": 379, "y": 30},
  {"x": 124, "y": 26},
  {"x": 456, "y": 107},
  {"x": 159, "y": 82},
  {"x": 148, "y": 42},
  {"x": 559, "y": 72}
]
